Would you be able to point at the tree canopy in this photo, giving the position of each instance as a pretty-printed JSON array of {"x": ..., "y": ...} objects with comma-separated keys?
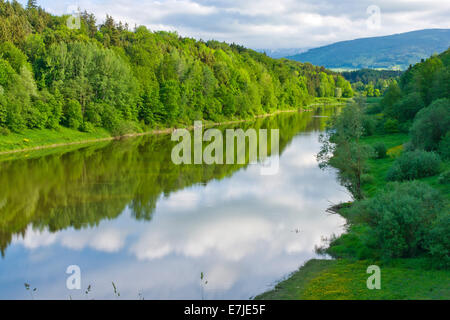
[{"x": 106, "y": 74}]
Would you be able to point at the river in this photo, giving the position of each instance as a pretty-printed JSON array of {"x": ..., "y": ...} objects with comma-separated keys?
[{"x": 125, "y": 214}]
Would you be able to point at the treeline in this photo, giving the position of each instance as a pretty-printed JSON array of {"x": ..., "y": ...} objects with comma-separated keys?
[
  {"x": 109, "y": 76},
  {"x": 408, "y": 218},
  {"x": 370, "y": 82}
]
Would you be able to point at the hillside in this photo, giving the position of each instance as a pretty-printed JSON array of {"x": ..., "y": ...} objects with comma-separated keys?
[
  {"x": 396, "y": 51},
  {"x": 108, "y": 76}
]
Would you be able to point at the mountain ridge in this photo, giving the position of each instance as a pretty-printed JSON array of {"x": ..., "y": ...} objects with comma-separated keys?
[{"x": 396, "y": 51}]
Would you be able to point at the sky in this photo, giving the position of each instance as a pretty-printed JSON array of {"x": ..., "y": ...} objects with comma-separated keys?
[{"x": 269, "y": 24}]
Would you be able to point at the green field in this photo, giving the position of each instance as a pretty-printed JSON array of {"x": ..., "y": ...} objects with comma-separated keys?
[{"x": 345, "y": 279}]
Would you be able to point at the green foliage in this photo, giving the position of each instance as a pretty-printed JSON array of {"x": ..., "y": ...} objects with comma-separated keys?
[
  {"x": 414, "y": 165},
  {"x": 341, "y": 149},
  {"x": 407, "y": 108},
  {"x": 444, "y": 147},
  {"x": 157, "y": 78},
  {"x": 391, "y": 126},
  {"x": 73, "y": 116},
  {"x": 401, "y": 217},
  {"x": 87, "y": 127},
  {"x": 444, "y": 177},
  {"x": 431, "y": 125},
  {"x": 380, "y": 150},
  {"x": 369, "y": 124},
  {"x": 437, "y": 241},
  {"x": 391, "y": 97}
]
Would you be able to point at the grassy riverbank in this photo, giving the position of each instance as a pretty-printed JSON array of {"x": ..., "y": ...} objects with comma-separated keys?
[
  {"x": 346, "y": 279},
  {"x": 346, "y": 276},
  {"x": 33, "y": 139}
]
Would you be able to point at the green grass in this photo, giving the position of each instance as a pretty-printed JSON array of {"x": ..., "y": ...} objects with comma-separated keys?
[
  {"x": 345, "y": 279},
  {"x": 45, "y": 137},
  {"x": 378, "y": 168},
  {"x": 294, "y": 287}
]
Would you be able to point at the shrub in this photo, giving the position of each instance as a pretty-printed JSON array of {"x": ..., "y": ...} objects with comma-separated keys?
[
  {"x": 374, "y": 109},
  {"x": 444, "y": 177},
  {"x": 401, "y": 219},
  {"x": 444, "y": 147},
  {"x": 110, "y": 117},
  {"x": 437, "y": 241},
  {"x": 431, "y": 125},
  {"x": 72, "y": 114},
  {"x": 380, "y": 150},
  {"x": 414, "y": 165},
  {"x": 391, "y": 126},
  {"x": 124, "y": 128},
  {"x": 87, "y": 127},
  {"x": 4, "y": 131},
  {"x": 367, "y": 178},
  {"x": 407, "y": 108},
  {"x": 369, "y": 124}
]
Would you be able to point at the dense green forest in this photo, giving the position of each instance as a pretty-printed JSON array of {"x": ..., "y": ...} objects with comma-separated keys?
[
  {"x": 370, "y": 82},
  {"x": 111, "y": 77},
  {"x": 393, "y": 52}
]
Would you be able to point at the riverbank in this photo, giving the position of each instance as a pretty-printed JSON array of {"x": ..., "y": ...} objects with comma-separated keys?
[
  {"x": 345, "y": 279},
  {"x": 346, "y": 276},
  {"x": 32, "y": 139}
]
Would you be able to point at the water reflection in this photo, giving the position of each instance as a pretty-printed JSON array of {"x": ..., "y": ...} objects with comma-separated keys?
[{"x": 124, "y": 213}]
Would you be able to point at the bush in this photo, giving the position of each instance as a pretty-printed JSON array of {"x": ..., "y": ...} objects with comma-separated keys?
[
  {"x": 437, "y": 241},
  {"x": 431, "y": 125},
  {"x": 391, "y": 126},
  {"x": 380, "y": 150},
  {"x": 369, "y": 124},
  {"x": 87, "y": 127},
  {"x": 444, "y": 177},
  {"x": 72, "y": 114},
  {"x": 414, "y": 165},
  {"x": 110, "y": 117},
  {"x": 407, "y": 108},
  {"x": 401, "y": 218},
  {"x": 4, "y": 131},
  {"x": 444, "y": 147},
  {"x": 124, "y": 128},
  {"x": 367, "y": 178}
]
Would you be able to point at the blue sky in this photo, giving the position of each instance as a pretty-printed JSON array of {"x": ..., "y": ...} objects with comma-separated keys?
[{"x": 267, "y": 23}]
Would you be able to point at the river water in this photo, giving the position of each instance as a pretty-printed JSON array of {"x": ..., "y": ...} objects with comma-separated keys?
[{"x": 125, "y": 214}]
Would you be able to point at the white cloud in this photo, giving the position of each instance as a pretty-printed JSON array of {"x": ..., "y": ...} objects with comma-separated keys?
[{"x": 269, "y": 24}]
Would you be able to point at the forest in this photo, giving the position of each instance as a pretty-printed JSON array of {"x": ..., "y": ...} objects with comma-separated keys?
[
  {"x": 394, "y": 159},
  {"x": 109, "y": 76},
  {"x": 370, "y": 82}
]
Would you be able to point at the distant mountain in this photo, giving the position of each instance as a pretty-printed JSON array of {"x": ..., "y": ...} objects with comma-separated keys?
[
  {"x": 396, "y": 51},
  {"x": 281, "y": 52}
]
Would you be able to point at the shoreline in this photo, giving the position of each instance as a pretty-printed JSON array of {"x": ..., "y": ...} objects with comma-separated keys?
[
  {"x": 146, "y": 133},
  {"x": 309, "y": 270}
]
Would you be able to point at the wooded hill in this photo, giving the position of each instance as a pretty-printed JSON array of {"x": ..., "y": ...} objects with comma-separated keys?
[
  {"x": 397, "y": 51},
  {"x": 127, "y": 80}
]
